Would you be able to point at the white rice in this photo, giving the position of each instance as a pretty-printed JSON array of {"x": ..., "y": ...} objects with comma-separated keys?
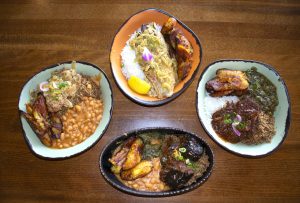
[
  {"x": 213, "y": 104},
  {"x": 130, "y": 66}
]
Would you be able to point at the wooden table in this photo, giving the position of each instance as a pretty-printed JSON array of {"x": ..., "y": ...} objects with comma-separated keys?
[{"x": 35, "y": 34}]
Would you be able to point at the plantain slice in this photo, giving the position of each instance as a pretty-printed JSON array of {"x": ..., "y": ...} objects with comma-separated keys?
[
  {"x": 134, "y": 155},
  {"x": 140, "y": 170}
]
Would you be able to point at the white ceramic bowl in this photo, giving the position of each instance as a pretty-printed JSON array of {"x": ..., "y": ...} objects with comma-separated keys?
[
  {"x": 31, "y": 138},
  {"x": 282, "y": 113}
]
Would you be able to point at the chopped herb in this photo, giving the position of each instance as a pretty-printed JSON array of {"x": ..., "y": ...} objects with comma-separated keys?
[
  {"x": 228, "y": 121},
  {"x": 241, "y": 125},
  {"x": 62, "y": 85},
  {"x": 188, "y": 162},
  {"x": 180, "y": 158},
  {"x": 182, "y": 149},
  {"x": 193, "y": 165},
  {"x": 177, "y": 155}
]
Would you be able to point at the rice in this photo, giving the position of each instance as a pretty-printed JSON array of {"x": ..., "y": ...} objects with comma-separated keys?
[
  {"x": 130, "y": 67},
  {"x": 212, "y": 104}
]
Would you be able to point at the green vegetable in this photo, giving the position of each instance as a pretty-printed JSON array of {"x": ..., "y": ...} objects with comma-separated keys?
[
  {"x": 262, "y": 90},
  {"x": 182, "y": 149},
  {"x": 228, "y": 121},
  {"x": 241, "y": 125},
  {"x": 188, "y": 162},
  {"x": 151, "y": 150},
  {"x": 62, "y": 85}
]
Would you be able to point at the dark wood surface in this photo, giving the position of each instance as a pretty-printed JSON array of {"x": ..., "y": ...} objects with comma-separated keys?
[{"x": 35, "y": 34}]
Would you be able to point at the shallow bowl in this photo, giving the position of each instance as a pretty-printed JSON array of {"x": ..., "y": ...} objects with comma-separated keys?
[
  {"x": 32, "y": 139},
  {"x": 282, "y": 113}
]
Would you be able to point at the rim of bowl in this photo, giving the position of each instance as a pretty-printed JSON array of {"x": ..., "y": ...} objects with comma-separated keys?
[
  {"x": 80, "y": 152},
  {"x": 287, "y": 121},
  {"x": 131, "y": 191},
  {"x": 185, "y": 86}
]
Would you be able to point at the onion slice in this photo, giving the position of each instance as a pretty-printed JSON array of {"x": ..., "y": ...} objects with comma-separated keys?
[
  {"x": 44, "y": 86},
  {"x": 237, "y": 121},
  {"x": 147, "y": 56},
  {"x": 238, "y": 118},
  {"x": 238, "y": 133}
]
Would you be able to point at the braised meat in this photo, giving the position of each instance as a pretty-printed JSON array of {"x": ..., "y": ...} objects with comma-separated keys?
[
  {"x": 179, "y": 45},
  {"x": 228, "y": 82},
  {"x": 193, "y": 149},
  {"x": 174, "y": 173},
  {"x": 235, "y": 122}
]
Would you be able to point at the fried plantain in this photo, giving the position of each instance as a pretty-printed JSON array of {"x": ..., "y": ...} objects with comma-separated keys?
[
  {"x": 134, "y": 155},
  {"x": 140, "y": 170},
  {"x": 119, "y": 155}
]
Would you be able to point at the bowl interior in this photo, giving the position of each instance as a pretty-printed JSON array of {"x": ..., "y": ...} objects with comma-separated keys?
[
  {"x": 281, "y": 114},
  {"x": 106, "y": 94},
  {"x": 105, "y": 165},
  {"x": 127, "y": 29}
]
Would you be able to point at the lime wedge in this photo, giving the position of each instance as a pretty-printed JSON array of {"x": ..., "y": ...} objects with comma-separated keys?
[{"x": 138, "y": 85}]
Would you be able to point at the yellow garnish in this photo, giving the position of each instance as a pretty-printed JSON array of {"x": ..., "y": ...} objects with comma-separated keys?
[{"x": 138, "y": 85}]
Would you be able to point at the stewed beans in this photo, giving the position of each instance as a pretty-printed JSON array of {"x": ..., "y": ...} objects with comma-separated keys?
[
  {"x": 150, "y": 182},
  {"x": 79, "y": 122}
]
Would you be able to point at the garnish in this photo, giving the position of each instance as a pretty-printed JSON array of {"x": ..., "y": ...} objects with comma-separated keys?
[
  {"x": 138, "y": 85},
  {"x": 63, "y": 84},
  {"x": 147, "y": 56},
  {"x": 44, "y": 86},
  {"x": 177, "y": 155},
  {"x": 235, "y": 123},
  {"x": 182, "y": 149},
  {"x": 73, "y": 65},
  {"x": 188, "y": 162},
  {"x": 227, "y": 119}
]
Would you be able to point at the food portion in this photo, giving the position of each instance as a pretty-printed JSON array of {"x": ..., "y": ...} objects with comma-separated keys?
[
  {"x": 244, "y": 103},
  {"x": 66, "y": 109},
  {"x": 156, "y": 58},
  {"x": 157, "y": 162},
  {"x": 227, "y": 82}
]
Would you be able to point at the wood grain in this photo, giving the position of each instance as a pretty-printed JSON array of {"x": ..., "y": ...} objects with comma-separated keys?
[{"x": 35, "y": 34}]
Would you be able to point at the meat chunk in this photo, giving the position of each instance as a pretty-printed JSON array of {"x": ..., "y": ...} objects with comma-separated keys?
[
  {"x": 193, "y": 149},
  {"x": 228, "y": 82},
  {"x": 38, "y": 118},
  {"x": 180, "y": 45},
  {"x": 175, "y": 173}
]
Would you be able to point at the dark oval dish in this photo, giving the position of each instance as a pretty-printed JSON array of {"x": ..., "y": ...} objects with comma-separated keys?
[
  {"x": 282, "y": 114},
  {"x": 32, "y": 140},
  {"x": 123, "y": 33},
  {"x": 111, "y": 178}
]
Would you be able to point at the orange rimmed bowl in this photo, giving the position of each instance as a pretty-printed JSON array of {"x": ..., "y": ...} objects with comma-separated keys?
[{"x": 119, "y": 42}]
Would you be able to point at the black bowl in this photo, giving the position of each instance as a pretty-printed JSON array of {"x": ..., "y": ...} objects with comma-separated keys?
[{"x": 105, "y": 165}]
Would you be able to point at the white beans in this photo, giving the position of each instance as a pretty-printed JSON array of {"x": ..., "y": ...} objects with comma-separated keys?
[
  {"x": 150, "y": 182},
  {"x": 80, "y": 122}
]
